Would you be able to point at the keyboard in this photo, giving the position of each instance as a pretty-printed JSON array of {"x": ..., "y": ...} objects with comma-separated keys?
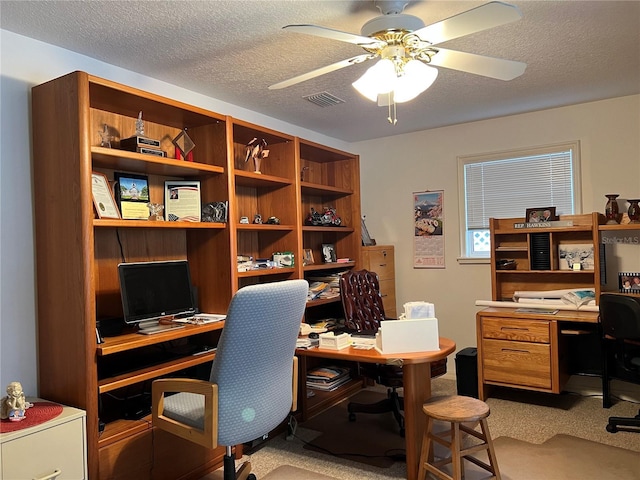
[{"x": 159, "y": 328}]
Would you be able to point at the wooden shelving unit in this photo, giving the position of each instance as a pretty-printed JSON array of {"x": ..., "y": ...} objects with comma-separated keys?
[{"x": 77, "y": 253}]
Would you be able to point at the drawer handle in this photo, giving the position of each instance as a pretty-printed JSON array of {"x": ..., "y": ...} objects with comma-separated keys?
[
  {"x": 520, "y": 329},
  {"x": 384, "y": 295},
  {"x": 382, "y": 265},
  {"x": 514, "y": 350},
  {"x": 52, "y": 476}
]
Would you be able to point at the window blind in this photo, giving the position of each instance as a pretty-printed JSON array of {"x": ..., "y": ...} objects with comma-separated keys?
[{"x": 506, "y": 187}]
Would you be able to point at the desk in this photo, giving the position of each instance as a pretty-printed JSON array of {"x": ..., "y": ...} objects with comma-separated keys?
[
  {"x": 527, "y": 350},
  {"x": 416, "y": 371}
]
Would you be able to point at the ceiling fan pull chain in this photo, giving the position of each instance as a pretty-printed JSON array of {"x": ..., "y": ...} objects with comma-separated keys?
[{"x": 392, "y": 119}]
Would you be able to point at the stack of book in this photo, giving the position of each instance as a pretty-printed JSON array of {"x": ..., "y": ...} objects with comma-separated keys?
[
  {"x": 326, "y": 286},
  {"x": 327, "y": 378}
]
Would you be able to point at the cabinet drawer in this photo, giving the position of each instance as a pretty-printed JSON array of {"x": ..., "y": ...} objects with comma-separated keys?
[
  {"x": 388, "y": 293},
  {"x": 381, "y": 261},
  {"x": 518, "y": 330},
  {"x": 42, "y": 453},
  {"x": 517, "y": 363}
]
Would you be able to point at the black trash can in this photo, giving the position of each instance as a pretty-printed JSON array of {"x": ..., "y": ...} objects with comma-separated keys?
[{"x": 467, "y": 372}]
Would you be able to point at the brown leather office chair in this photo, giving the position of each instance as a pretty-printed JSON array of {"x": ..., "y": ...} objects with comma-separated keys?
[
  {"x": 363, "y": 312},
  {"x": 620, "y": 321}
]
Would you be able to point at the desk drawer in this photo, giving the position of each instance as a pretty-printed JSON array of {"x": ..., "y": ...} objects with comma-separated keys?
[
  {"x": 518, "y": 330},
  {"x": 40, "y": 454},
  {"x": 517, "y": 363}
]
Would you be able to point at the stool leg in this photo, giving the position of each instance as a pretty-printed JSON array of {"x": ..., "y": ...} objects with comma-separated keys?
[
  {"x": 426, "y": 453},
  {"x": 493, "y": 461},
  {"x": 456, "y": 461}
]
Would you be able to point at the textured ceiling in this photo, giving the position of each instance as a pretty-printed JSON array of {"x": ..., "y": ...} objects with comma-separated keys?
[{"x": 232, "y": 50}]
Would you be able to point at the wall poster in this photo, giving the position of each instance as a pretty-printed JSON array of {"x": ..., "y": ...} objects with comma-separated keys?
[{"x": 428, "y": 239}]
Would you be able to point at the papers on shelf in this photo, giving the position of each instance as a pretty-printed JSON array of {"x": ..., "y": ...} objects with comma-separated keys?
[{"x": 327, "y": 378}]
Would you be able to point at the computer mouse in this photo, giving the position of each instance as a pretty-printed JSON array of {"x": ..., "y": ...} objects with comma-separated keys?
[{"x": 314, "y": 335}]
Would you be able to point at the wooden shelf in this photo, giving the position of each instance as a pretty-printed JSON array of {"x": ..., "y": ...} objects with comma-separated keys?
[
  {"x": 106, "y": 222},
  {"x": 155, "y": 371},
  {"x": 266, "y": 271},
  {"x": 148, "y": 164},
  {"x": 252, "y": 179},
  {"x": 323, "y": 400},
  {"x": 261, "y": 227},
  {"x": 328, "y": 266},
  {"x": 322, "y": 301},
  {"x": 130, "y": 341},
  {"x": 616, "y": 228},
  {"x": 313, "y": 228},
  {"x": 326, "y": 190}
]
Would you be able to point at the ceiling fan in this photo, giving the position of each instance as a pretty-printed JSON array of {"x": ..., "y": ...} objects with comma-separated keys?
[{"x": 404, "y": 44}]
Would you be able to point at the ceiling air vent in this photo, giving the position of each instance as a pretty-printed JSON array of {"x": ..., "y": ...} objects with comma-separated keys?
[{"x": 324, "y": 99}]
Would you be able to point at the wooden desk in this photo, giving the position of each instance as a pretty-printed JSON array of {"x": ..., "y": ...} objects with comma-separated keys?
[
  {"x": 526, "y": 350},
  {"x": 416, "y": 371}
]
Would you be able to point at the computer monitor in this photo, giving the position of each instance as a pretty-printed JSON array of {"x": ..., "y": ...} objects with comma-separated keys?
[{"x": 153, "y": 290}]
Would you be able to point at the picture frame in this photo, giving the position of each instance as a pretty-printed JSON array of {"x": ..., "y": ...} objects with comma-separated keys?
[
  {"x": 182, "y": 200},
  {"x": 307, "y": 257},
  {"x": 629, "y": 282},
  {"x": 103, "y": 199},
  {"x": 572, "y": 254},
  {"x": 540, "y": 214},
  {"x": 367, "y": 241},
  {"x": 329, "y": 253},
  {"x": 132, "y": 195}
]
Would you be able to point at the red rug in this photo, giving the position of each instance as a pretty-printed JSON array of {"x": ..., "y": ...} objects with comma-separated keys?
[{"x": 40, "y": 412}]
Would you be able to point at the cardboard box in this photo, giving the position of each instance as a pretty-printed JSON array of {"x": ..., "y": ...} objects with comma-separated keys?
[{"x": 410, "y": 335}]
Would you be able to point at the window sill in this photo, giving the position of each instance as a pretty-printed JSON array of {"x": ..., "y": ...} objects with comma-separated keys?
[{"x": 473, "y": 261}]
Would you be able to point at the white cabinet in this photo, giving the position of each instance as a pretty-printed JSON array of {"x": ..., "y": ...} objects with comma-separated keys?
[{"x": 53, "y": 450}]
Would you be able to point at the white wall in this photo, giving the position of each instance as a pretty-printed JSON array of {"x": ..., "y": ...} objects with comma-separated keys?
[
  {"x": 393, "y": 168},
  {"x": 24, "y": 63}
]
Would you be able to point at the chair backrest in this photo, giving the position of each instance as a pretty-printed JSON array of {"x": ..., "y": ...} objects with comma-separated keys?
[
  {"x": 620, "y": 316},
  {"x": 361, "y": 300},
  {"x": 253, "y": 366}
]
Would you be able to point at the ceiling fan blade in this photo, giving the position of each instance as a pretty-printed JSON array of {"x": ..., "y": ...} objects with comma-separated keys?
[
  {"x": 321, "y": 71},
  {"x": 486, "y": 16},
  {"x": 336, "y": 35},
  {"x": 478, "y": 64}
]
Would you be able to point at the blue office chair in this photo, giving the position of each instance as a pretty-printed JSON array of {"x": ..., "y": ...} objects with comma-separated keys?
[{"x": 253, "y": 382}]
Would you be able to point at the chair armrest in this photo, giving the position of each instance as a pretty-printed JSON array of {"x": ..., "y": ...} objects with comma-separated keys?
[
  {"x": 294, "y": 405},
  {"x": 207, "y": 437}
]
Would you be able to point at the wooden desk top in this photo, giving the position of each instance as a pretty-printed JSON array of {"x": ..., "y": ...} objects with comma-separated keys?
[
  {"x": 447, "y": 347},
  {"x": 560, "y": 316}
]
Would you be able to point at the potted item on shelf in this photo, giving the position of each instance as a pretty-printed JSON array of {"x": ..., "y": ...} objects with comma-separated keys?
[
  {"x": 634, "y": 210},
  {"x": 611, "y": 210}
]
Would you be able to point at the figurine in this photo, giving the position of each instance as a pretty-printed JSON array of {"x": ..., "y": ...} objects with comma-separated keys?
[
  {"x": 255, "y": 150},
  {"x": 14, "y": 404},
  {"x": 257, "y": 218},
  {"x": 155, "y": 212},
  {"x": 140, "y": 125},
  {"x": 105, "y": 137}
]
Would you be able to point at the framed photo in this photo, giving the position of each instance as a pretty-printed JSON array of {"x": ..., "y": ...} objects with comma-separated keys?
[
  {"x": 329, "y": 253},
  {"x": 572, "y": 254},
  {"x": 132, "y": 195},
  {"x": 182, "y": 200},
  {"x": 366, "y": 238},
  {"x": 629, "y": 282},
  {"x": 307, "y": 258},
  {"x": 103, "y": 198},
  {"x": 544, "y": 214}
]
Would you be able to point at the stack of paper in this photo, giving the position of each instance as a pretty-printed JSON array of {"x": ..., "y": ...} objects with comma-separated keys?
[{"x": 327, "y": 378}]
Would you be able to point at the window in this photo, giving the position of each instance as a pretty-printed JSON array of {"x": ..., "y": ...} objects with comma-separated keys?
[{"x": 505, "y": 184}]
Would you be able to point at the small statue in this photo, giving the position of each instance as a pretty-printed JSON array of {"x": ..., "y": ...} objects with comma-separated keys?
[
  {"x": 140, "y": 125},
  {"x": 155, "y": 212},
  {"x": 14, "y": 405},
  {"x": 255, "y": 150},
  {"x": 105, "y": 137}
]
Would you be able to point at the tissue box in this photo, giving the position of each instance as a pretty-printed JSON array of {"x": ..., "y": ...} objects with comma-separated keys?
[
  {"x": 335, "y": 342},
  {"x": 404, "y": 336}
]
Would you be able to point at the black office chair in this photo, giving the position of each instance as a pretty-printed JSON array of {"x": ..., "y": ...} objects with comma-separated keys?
[
  {"x": 363, "y": 312},
  {"x": 620, "y": 323}
]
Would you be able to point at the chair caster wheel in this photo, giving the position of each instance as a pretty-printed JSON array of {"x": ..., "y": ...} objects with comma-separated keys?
[
  {"x": 611, "y": 428},
  {"x": 252, "y": 477},
  {"x": 352, "y": 417}
]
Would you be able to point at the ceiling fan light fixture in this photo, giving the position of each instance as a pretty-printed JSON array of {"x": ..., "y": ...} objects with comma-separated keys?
[
  {"x": 416, "y": 79},
  {"x": 379, "y": 79}
]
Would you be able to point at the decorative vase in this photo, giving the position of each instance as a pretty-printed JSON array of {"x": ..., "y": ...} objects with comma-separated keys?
[
  {"x": 634, "y": 210},
  {"x": 611, "y": 210}
]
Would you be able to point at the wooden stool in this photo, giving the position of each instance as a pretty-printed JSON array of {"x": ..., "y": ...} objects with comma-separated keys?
[{"x": 456, "y": 409}]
